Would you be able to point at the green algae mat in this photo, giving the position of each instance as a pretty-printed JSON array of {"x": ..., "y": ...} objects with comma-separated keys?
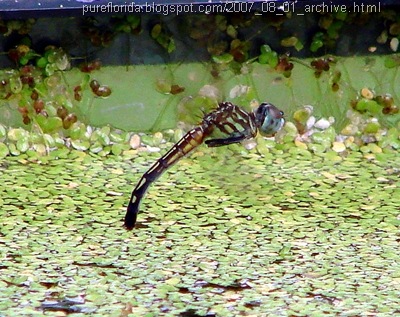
[{"x": 226, "y": 232}]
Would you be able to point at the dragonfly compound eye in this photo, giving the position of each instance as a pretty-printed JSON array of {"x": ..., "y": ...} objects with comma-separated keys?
[{"x": 269, "y": 118}]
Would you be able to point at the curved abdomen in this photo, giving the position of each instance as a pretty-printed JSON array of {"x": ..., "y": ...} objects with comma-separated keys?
[{"x": 189, "y": 142}]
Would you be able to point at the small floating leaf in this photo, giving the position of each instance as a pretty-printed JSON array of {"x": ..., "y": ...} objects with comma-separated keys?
[{"x": 3, "y": 150}]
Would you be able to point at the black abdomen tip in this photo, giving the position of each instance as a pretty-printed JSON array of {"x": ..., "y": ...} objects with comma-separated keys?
[{"x": 130, "y": 216}]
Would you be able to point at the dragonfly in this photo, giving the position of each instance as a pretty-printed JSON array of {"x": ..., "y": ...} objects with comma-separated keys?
[{"x": 229, "y": 122}]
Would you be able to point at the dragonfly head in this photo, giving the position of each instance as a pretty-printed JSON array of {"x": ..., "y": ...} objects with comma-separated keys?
[{"x": 269, "y": 119}]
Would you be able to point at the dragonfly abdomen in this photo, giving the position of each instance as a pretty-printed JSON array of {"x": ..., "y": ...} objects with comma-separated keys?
[{"x": 186, "y": 144}]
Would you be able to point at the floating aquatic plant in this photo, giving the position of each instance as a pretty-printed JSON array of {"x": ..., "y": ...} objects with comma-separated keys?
[
  {"x": 38, "y": 91},
  {"x": 310, "y": 234}
]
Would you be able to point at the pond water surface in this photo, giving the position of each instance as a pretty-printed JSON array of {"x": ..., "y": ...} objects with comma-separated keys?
[{"x": 221, "y": 234}]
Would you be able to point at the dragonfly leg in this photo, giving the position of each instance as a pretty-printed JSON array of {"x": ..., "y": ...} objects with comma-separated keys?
[{"x": 226, "y": 141}]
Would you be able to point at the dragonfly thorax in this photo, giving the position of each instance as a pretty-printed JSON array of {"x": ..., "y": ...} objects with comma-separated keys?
[{"x": 269, "y": 119}]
